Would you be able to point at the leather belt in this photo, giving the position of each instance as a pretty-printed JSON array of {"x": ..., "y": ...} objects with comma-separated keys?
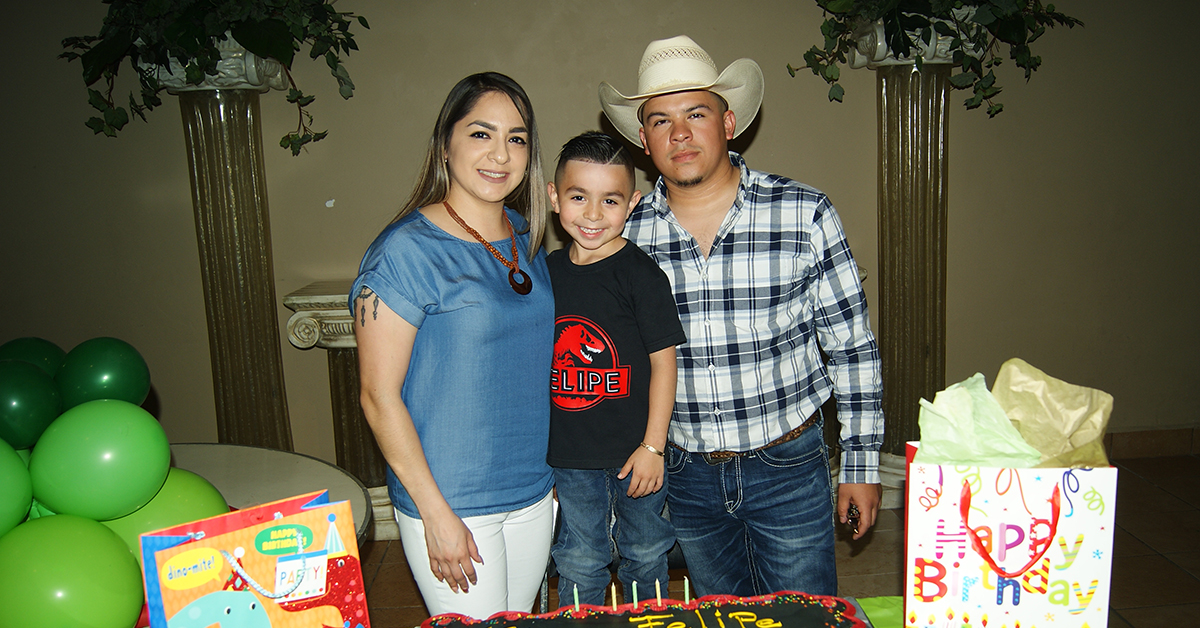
[{"x": 721, "y": 457}]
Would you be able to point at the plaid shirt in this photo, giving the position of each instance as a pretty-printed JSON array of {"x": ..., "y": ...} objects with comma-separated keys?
[{"x": 779, "y": 287}]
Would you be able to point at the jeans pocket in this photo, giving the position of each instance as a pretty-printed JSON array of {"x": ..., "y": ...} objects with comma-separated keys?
[
  {"x": 803, "y": 450},
  {"x": 675, "y": 459}
]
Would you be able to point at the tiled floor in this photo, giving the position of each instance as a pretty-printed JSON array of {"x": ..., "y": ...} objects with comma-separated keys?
[{"x": 1156, "y": 560}]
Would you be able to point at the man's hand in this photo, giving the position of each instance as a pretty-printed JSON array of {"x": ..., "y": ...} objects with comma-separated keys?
[
  {"x": 646, "y": 471},
  {"x": 866, "y": 497}
]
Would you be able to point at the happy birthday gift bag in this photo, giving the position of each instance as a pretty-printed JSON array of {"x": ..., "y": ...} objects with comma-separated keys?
[
  {"x": 285, "y": 564},
  {"x": 997, "y": 548}
]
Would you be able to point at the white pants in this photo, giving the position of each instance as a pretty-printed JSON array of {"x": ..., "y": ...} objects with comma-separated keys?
[{"x": 515, "y": 547}]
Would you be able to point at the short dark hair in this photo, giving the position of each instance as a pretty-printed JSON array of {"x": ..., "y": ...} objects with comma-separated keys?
[{"x": 596, "y": 148}]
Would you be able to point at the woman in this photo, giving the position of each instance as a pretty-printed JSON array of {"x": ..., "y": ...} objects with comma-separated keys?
[{"x": 454, "y": 319}]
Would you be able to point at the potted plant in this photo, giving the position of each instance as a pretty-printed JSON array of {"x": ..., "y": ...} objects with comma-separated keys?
[
  {"x": 160, "y": 38},
  {"x": 217, "y": 56},
  {"x": 972, "y": 34}
]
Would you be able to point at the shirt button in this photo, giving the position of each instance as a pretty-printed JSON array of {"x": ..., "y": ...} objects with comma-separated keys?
[{"x": 712, "y": 367}]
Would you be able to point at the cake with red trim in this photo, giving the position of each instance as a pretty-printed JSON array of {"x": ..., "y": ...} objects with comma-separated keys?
[{"x": 786, "y": 609}]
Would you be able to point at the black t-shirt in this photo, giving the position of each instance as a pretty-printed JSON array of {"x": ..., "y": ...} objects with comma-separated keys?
[{"x": 608, "y": 318}]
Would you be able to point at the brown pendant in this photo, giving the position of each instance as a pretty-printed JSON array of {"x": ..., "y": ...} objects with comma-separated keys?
[{"x": 520, "y": 287}]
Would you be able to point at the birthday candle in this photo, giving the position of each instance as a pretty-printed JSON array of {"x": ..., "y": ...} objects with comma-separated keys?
[
  {"x": 576, "y": 598},
  {"x": 686, "y": 592},
  {"x": 657, "y": 592},
  {"x": 614, "y": 593},
  {"x": 635, "y": 594}
]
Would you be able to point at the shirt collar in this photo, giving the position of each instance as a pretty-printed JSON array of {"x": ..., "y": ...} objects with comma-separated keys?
[{"x": 658, "y": 198}]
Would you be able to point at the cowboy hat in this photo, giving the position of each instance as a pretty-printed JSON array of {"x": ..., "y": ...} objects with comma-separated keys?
[{"x": 679, "y": 65}]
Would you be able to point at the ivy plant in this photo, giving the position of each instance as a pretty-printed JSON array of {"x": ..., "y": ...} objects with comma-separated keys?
[
  {"x": 981, "y": 30},
  {"x": 150, "y": 33}
]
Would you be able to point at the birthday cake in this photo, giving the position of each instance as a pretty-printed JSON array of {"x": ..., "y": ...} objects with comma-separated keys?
[{"x": 785, "y": 609}]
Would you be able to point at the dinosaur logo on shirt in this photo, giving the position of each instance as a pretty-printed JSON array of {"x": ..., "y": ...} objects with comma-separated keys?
[
  {"x": 576, "y": 347},
  {"x": 586, "y": 369}
]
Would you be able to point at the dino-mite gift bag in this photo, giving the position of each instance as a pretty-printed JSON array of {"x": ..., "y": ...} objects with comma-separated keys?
[{"x": 289, "y": 563}]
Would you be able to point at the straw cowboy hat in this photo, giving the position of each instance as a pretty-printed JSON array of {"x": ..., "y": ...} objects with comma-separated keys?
[{"x": 679, "y": 65}]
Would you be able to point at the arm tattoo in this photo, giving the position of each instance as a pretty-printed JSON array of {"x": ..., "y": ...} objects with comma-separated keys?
[{"x": 363, "y": 295}]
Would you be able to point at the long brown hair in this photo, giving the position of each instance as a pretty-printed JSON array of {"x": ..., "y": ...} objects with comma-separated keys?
[{"x": 433, "y": 182}]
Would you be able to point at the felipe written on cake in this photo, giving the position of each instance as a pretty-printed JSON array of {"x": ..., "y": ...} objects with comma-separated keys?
[{"x": 785, "y": 609}]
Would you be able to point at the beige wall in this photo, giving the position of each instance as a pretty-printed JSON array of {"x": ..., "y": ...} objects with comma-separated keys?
[{"x": 1070, "y": 223}]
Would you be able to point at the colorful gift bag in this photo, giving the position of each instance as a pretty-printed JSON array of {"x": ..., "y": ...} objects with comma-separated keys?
[
  {"x": 284, "y": 564},
  {"x": 1002, "y": 548}
]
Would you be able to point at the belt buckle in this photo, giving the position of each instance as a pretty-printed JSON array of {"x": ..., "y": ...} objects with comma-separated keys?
[{"x": 714, "y": 460}]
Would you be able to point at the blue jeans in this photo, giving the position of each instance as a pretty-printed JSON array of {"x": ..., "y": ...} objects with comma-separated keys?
[
  {"x": 756, "y": 524},
  {"x": 582, "y": 553}
]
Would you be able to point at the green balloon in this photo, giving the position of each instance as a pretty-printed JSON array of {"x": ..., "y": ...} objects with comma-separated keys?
[
  {"x": 16, "y": 490},
  {"x": 25, "y": 454},
  {"x": 183, "y": 498},
  {"x": 101, "y": 460},
  {"x": 68, "y": 571},
  {"x": 37, "y": 351},
  {"x": 103, "y": 368},
  {"x": 29, "y": 401}
]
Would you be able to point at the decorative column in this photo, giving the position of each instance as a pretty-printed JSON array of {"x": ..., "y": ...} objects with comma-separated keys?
[
  {"x": 323, "y": 320},
  {"x": 913, "y": 132},
  {"x": 229, "y": 196}
]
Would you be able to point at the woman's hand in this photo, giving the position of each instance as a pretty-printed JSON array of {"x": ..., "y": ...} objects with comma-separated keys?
[
  {"x": 451, "y": 551},
  {"x": 645, "y": 471}
]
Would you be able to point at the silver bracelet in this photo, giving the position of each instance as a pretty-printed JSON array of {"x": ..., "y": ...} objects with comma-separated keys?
[{"x": 652, "y": 450}]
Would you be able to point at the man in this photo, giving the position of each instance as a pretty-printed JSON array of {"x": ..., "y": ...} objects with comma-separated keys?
[{"x": 765, "y": 283}]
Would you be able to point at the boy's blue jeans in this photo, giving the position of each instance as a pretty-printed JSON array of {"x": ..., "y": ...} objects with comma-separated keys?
[
  {"x": 759, "y": 523},
  {"x": 589, "y": 498}
]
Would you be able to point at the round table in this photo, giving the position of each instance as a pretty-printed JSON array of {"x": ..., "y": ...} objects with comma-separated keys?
[{"x": 249, "y": 476}]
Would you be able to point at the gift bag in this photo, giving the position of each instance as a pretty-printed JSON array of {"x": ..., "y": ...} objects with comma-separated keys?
[
  {"x": 283, "y": 564},
  {"x": 999, "y": 547}
]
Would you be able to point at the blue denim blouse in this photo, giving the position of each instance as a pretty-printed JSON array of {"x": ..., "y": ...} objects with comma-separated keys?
[{"x": 477, "y": 384}]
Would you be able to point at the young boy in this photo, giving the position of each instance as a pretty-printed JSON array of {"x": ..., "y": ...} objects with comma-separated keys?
[{"x": 612, "y": 386}]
